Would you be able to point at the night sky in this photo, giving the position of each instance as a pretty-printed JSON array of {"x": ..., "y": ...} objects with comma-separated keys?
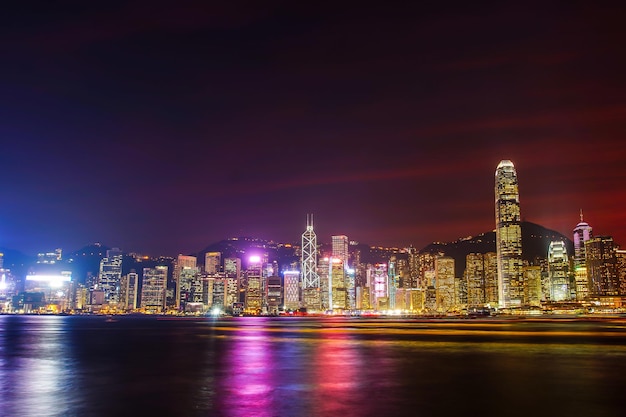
[{"x": 163, "y": 127}]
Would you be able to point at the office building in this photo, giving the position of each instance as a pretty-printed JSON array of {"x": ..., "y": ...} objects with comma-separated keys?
[
  {"x": 291, "y": 290},
  {"x": 128, "y": 291},
  {"x": 508, "y": 236},
  {"x": 582, "y": 233},
  {"x": 602, "y": 274},
  {"x": 311, "y": 296},
  {"x": 444, "y": 284},
  {"x": 110, "y": 275},
  {"x": 212, "y": 262},
  {"x": 154, "y": 284},
  {"x": 558, "y": 271}
]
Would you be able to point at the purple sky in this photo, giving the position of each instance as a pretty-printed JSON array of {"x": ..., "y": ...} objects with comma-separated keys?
[{"x": 161, "y": 128}]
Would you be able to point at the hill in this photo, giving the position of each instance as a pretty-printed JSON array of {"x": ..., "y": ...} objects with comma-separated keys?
[{"x": 535, "y": 242}]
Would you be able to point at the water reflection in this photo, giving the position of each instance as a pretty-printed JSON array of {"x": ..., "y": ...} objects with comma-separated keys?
[
  {"x": 248, "y": 379},
  {"x": 268, "y": 367},
  {"x": 35, "y": 368}
]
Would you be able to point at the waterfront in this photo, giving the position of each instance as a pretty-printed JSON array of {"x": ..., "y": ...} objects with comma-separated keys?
[{"x": 255, "y": 366}]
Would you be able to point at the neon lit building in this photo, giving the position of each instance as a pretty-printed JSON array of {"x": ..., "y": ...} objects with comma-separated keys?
[
  {"x": 602, "y": 267},
  {"x": 582, "y": 233},
  {"x": 444, "y": 284},
  {"x": 128, "y": 291},
  {"x": 291, "y": 290},
  {"x": 254, "y": 285},
  {"x": 558, "y": 271},
  {"x": 153, "y": 289},
  {"x": 532, "y": 287},
  {"x": 212, "y": 262},
  {"x": 110, "y": 276},
  {"x": 56, "y": 289},
  {"x": 340, "y": 245},
  {"x": 481, "y": 276},
  {"x": 508, "y": 237},
  {"x": 377, "y": 280},
  {"x": 188, "y": 281},
  {"x": 310, "y": 279}
]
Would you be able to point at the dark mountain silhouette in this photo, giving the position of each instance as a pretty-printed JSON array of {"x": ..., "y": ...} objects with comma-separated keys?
[{"x": 535, "y": 242}]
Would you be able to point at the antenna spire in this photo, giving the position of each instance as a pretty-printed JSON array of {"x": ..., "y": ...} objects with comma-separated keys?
[{"x": 581, "y": 215}]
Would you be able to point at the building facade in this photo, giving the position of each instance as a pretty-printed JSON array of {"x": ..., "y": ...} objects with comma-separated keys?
[{"x": 508, "y": 237}]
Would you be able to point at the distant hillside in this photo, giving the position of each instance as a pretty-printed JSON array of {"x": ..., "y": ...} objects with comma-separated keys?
[
  {"x": 243, "y": 247},
  {"x": 535, "y": 242}
]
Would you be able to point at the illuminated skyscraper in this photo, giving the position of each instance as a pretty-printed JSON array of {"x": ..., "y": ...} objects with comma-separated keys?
[
  {"x": 582, "y": 233},
  {"x": 508, "y": 237},
  {"x": 253, "y": 300},
  {"x": 188, "y": 282},
  {"x": 128, "y": 291},
  {"x": 110, "y": 275},
  {"x": 291, "y": 290},
  {"x": 340, "y": 248},
  {"x": 444, "y": 283},
  {"x": 212, "y": 262},
  {"x": 558, "y": 270},
  {"x": 310, "y": 279},
  {"x": 153, "y": 289},
  {"x": 602, "y": 267},
  {"x": 532, "y": 287}
]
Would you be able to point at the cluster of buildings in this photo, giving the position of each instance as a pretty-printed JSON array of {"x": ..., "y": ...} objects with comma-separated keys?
[{"x": 335, "y": 279}]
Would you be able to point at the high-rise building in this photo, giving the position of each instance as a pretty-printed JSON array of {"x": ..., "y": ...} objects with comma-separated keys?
[
  {"x": 253, "y": 300},
  {"x": 377, "y": 280},
  {"x": 337, "y": 284},
  {"x": 153, "y": 289},
  {"x": 274, "y": 294},
  {"x": 291, "y": 288},
  {"x": 508, "y": 237},
  {"x": 110, "y": 275},
  {"x": 621, "y": 270},
  {"x": 602, "y": 272},
  {"x": 532, "y": 287},
  {"x": 310, "y": 279},
  {"x": 558, "y": 270},
  {"x": 481, "y": 277},
  {"x": 340, "y": 248},
  {"x": 212, "y": 262},
  {"x": 128, "y": 291},
  {"x": 188, "y": 282},
  {"x": 232, "y": 267},
  {"x": 582, "y": 233},
  {"x": 444, "y": 283}
]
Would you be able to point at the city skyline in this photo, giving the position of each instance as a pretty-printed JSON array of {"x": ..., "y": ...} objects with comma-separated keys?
[{"x": 163, "y": 132}]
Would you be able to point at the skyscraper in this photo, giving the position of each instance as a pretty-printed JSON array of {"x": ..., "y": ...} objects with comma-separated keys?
[
  {"x": 582, "y": 233},
  {"x": 110, "y": 275},
  {"x": 508, "y": 237},
  {"x": 444, "y": 283},
  {"x": 153, "y": 289},
  {"x": 602, "y": 267},
  {"x": 558, "y": 269},
  {"x": 212, "y": 262},
  {"x": 310, "y": 279},
  {"x": 340, "y": 248}
]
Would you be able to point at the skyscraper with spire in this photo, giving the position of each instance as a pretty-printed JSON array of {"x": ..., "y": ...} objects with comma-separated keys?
[
  {"x": 582, "y": 233},
  {"x": 508, "y": 237},
  {"x": 310, "y": 279}
]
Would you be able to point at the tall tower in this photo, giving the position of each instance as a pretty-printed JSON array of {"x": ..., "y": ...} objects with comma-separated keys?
[
  {"x": 110, "y": 275},
  {"x": 340, "y": 248},
  {"x": 508, "y": 237},
  {"x": 310, "y": 279},
  {"x": 558, "y": 270},
  {"x": 582, "y": 233}
]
